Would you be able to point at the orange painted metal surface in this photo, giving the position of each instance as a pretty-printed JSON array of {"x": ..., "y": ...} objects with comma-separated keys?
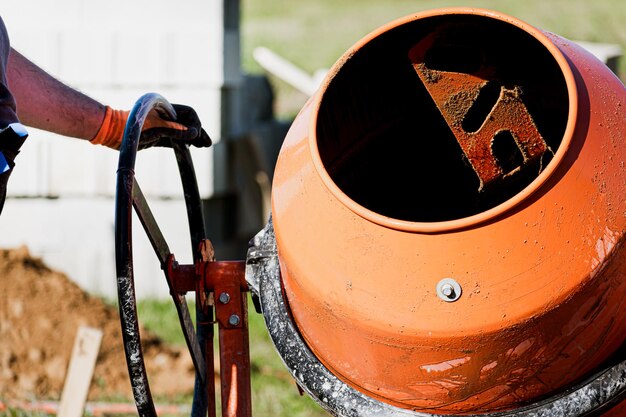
[
  {"x": 231, "y": 312},
  {"x": 542, "y": 269}
]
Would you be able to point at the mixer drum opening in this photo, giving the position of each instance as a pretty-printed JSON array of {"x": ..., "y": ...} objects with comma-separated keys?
[{"x": 442, "y": 118}]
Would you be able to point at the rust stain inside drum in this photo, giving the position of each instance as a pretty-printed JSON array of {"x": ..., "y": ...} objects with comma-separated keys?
[{"x": 457, "y": 89}]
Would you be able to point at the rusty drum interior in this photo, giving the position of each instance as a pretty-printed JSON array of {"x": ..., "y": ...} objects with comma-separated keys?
[{"x": 400, "y": 118}]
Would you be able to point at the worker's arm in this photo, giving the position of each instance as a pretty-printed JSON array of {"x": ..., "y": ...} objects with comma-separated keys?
[{"x": 46, "y": 103}]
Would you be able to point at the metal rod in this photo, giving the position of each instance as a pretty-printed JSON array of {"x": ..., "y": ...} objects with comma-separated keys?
[
  {"x": 149, "y": 224},
  {"x": 194, "y": 346},
  {"x": 204, "y": 393},
  {"x": 192, "y": 198}
]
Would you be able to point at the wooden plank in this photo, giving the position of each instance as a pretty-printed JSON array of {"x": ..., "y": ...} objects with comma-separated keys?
[{"x": 80, "y": 371}]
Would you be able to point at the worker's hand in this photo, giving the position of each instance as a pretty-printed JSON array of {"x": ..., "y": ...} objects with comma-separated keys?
[{"x": 156, "y": 131}]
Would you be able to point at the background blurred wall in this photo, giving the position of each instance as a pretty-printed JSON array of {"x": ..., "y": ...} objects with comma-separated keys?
[{"x": 61, "y": 195}]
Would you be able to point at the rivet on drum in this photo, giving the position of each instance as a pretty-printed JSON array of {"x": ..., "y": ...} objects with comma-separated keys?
[{"x": 449, "y": 290}]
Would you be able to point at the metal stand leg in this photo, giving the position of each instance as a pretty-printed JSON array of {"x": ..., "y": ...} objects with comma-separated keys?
[{"x": 228, "y": 281}]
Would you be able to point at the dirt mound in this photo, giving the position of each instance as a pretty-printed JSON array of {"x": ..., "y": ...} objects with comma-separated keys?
[{"x": 40, "y": 312}]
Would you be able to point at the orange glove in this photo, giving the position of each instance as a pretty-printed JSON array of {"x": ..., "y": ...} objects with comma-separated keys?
[{"x": 156, "y": 131}]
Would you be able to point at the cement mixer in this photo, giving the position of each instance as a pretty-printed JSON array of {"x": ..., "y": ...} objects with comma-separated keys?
[{"x": 447, "y": 233}]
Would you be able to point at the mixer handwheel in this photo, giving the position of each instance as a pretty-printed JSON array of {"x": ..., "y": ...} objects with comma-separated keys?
[{"x": 129, "y": 196}]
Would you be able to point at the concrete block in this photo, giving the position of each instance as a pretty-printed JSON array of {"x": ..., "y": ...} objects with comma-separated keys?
[
  {"x": 43, "y": 48},
  {"x": 86, "y": 58},
  {"x": 43, "y": 16},
  {"x": 189, "y": 59},
  {"x": 136, "y": 59},
  {"x": 146, "y": 15},
  {"x": 71, "y": 169}
]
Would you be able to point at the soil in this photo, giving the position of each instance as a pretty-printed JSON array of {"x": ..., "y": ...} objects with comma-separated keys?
[{"x": 40, "y": 312}]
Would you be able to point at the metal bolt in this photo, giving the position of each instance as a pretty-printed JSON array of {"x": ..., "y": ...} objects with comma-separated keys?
[
  {"x": 234, "y": 320},
  {"x": 448, "y": 290},
  {"x": 224, "y": 298}
]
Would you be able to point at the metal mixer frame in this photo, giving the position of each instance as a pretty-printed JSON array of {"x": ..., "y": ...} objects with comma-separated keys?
[{"x": 206, "y": 277}]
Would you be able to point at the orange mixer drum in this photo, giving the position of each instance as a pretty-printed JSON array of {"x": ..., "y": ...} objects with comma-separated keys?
[{"x": 450, "y": 214}]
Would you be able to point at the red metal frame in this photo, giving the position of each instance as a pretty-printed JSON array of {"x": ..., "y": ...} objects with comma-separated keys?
[{"x": 221, "y": 288}]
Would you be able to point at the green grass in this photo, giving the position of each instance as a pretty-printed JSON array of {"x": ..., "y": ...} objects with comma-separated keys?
[
  {"x": 315, "y": 34},
  {"x": 160, "y": 317}
]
